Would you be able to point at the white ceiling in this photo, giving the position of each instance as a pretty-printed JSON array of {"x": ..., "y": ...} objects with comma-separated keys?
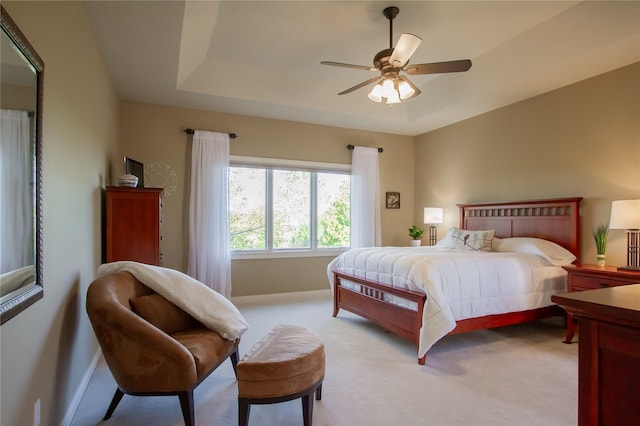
[{"x": 262, "y": 58}]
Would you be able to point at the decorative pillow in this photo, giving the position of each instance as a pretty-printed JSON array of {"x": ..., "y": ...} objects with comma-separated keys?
[
  {"x": 556, "y": 255},
  {"x": 495, "y": 243},
  {"x": 161, "y": 313},
  {"x": 467, "y": 240}
]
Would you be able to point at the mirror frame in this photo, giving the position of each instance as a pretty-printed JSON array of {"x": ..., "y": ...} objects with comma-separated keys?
[{"x": 19, "y": 303}]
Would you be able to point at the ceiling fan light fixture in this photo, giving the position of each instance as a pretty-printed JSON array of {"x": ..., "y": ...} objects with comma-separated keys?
[
  {"x": 405, "y": 89},
  {"x": 392, "y": 62},
  {"x": 393, "y": 89},
  {"x": 376, "y": 94},
  {"x": 388, "y": 88},
  {"x": 393, "y": 98}
]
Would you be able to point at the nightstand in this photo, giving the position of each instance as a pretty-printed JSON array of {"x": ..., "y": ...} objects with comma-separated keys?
[{"x": 591, "y": 277}]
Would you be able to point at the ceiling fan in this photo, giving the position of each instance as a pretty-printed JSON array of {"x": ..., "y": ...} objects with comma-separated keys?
[{"x": 390, "y": 62}]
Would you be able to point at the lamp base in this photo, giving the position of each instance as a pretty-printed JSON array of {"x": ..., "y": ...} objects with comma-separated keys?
[{"x": 433, "y": 235}]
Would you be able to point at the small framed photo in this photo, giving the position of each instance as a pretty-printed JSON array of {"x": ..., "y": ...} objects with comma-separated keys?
[{"x": 393, "y": 200}]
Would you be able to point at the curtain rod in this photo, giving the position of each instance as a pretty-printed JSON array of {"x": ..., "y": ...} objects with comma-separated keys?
[
  {"x": 350, "y": 148},
  {"x": 191, "y": 131}
]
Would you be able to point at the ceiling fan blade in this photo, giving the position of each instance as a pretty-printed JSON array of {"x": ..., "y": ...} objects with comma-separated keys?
[
  {"x": 405, "y": 47},
  {"x": 439, "y": 67},
  {"x": 340, "y": 64},
  {"x": 358, "y": 86}
]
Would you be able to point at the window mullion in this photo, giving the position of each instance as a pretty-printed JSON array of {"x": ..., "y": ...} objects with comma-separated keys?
[
  {"x": 269, "y": 209},
  {"x": 313, "y": 205}
]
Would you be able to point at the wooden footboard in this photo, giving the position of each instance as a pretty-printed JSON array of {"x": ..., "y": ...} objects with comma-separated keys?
[{"x": 368, "y": 301}]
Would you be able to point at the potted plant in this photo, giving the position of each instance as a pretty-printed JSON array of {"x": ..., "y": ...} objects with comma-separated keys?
[
  {"x": 600, "y": 237},
  {"x": 416, "y": 235}
]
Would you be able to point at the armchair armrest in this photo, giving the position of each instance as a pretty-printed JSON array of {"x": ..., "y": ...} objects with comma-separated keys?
[{"x": 141, "y": 357}]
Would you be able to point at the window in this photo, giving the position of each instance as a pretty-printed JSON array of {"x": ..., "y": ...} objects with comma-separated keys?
[{"x": 288, "y": 207}]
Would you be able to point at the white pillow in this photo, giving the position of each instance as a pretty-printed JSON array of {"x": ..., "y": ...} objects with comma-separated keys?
[
  {"x": 467, "y": 240},
  {"x": 556, "y": 255}
]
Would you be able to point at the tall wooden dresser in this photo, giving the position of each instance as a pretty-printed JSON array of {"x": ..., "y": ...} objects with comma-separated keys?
[{"x": 132, "y": 224}]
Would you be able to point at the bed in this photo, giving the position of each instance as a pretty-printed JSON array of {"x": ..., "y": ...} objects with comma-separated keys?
[{"x": 399, "y": 308}]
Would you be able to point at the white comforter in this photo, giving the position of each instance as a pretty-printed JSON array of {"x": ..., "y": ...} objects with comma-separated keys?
[{"x": 459, "y": 284}]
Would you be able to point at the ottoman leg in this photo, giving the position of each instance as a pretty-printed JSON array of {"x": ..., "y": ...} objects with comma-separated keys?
[
  {"x": 307, "y": 408},
  {"x": 319, "y": 392},
  {"x": 244, "y": 408}
]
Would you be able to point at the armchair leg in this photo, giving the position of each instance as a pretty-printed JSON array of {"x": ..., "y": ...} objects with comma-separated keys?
[
  {"x": 114, "y": 403},
  {"x": 234, "y": 361},
  {"x": 186, "y": 403}
]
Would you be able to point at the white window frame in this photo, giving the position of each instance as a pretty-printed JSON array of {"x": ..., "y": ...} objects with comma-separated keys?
[{"x": 312, "y": 166}]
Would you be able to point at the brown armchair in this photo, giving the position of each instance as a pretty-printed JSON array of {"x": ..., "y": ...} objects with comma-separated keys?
[{"x": 151, "y": 346}]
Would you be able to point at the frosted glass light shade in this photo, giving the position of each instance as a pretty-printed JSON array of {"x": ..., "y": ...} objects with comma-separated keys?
[
  {"x": 376, "y": 94},
  {"x": 433, "y": 215},
  {"x": 388, "y": 88},
  {"x": 405, "y": 89},
  {"x": 393, "y": 98},
  {"x": 625, "y": 214}
]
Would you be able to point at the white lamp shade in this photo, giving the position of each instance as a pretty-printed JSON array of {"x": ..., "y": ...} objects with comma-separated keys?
[
  {"x": 388, "y": 88},
  {"x": 433, "y": 215},
  {"x": 393, "y": 98},
  {"x": 376, "y": 93},
  {"x": 405, "y": 89},
  {"x": 625, "y": 214}
]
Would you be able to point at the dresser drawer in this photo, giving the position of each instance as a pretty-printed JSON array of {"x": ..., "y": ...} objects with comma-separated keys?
[{"x": 586, "y": 282}]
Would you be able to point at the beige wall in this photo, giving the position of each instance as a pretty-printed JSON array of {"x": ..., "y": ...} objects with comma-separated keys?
[
  {"x": 581, "y": 140},
  {"x": 155, "y": 134},
  {"x": 21, "y": 98},
  {"x": 46, "y": 350}
]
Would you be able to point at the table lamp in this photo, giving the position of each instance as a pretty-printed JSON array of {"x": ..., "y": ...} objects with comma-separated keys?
[
  {"x": 432, "y": 217},
  {"x": 625, "y": 214}
]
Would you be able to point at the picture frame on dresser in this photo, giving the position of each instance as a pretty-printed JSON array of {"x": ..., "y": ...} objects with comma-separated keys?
[{"x": 136, "y": 168}]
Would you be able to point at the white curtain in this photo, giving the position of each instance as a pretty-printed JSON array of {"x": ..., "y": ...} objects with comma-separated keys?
[
  {"x": 365, "y": 198},
  {"x": 209, "y": 255},
  {"x": 16, "y": 190}
]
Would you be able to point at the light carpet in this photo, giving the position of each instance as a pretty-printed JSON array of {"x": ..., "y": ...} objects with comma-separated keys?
[{"x": 515, "y": 375}]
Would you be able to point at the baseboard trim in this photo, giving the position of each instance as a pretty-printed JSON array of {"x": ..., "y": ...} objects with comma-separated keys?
[
  {"x": 82, "y": 388},
  {"x": 293, "y": 296}
]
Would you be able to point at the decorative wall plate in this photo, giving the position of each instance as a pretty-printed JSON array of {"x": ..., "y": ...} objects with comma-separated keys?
[{"x": 160, "y": 175}]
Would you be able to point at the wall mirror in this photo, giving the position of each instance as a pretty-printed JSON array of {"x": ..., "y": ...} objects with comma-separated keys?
[{"x": 21, "y": 79}]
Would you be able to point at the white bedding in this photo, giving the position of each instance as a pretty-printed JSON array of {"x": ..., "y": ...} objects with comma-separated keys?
[
  {"x": 209, "y": 307},
  {"x": 459, "y": 284}
]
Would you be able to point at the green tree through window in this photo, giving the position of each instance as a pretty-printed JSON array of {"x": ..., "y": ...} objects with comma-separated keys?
[{"x": 275, "y": 209}]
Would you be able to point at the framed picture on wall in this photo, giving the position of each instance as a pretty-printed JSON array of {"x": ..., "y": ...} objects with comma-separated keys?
[{"x": 393, "y": 200}]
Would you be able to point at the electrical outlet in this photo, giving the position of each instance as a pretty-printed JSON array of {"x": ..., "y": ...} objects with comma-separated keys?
[{"x": 36, "y": 413}]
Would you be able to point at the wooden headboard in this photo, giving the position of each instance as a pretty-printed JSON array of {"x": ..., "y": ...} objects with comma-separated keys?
[{"x": 556, "y": 220}]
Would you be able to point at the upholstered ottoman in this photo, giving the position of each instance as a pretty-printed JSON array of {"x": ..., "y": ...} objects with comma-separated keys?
[{"x": 286, "y": 364}]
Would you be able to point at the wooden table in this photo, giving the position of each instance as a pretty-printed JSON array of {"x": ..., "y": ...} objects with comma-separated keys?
[{"x": 609, "y": 353}]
